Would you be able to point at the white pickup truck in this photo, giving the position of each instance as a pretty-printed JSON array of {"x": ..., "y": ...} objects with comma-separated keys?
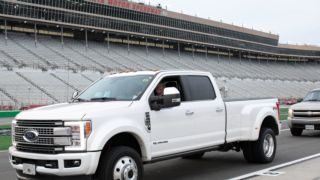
[{"x": 121, "y": 122}]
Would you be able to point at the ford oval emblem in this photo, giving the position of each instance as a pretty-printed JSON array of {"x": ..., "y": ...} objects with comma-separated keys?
[{"x": 31, "y": 136}]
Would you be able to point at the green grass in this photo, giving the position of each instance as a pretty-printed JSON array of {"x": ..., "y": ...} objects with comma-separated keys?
[
  {"x": 5, "y": 126},
  {"x": 5, "y": 142},
  {"x": 283, "y": 114},
  {"x": 284, "y": 110}
]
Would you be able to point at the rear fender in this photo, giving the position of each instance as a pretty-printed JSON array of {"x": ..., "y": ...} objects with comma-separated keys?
[{"x": 260, "y": 118}]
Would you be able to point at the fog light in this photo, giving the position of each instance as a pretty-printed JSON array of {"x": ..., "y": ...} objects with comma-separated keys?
[
  {"x": 51, "y": 164},
  {"x": 72, "y": 163}
]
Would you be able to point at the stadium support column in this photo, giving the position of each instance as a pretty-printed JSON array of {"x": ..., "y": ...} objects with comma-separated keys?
[
  {"x": 108, "y": 42},
  {"x": 229, "y": 54},
  {"x": 218, "y": 54},
  {"x": 192, "y": 51},
  {"x": 206, "y": 53},
  {"x": 163, "y": 48},
  {"x": 5, "y": 32},
  {"x": 240, "y": 57},
  {"x": 128, "y": 42},
  {"x": 86, "y": 37},
  {"x": 35, "y": 35},
  {"x": 62, "y": 40},
  {"x": 179, "y": 49},
  {"x": 147, "y": 49}
]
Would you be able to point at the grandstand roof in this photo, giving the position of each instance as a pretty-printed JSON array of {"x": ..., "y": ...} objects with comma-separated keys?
[
  {"x": 137, "y": 6},
  {"x": 300, "y": 47},
  {"x": 219, "y": 24}
]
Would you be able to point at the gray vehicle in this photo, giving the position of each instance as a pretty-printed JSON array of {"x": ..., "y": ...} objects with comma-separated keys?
[{"x": 305, "y": 115}]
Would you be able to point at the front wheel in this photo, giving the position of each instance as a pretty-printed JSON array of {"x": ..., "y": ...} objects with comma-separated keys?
[
  {"x": 120, "y": 163},
  {"x": 263, "y": 150}
]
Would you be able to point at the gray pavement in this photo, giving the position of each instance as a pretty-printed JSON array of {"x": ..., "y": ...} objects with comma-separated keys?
[
  {"x": 5, "y": 121},
  {"x": 308, "y": 170},
  {"x": 218, "y": 165}
]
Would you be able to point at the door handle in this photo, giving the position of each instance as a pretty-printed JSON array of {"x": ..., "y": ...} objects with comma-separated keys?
[
  {"x": 219, "y": 110},
  {"x": 189, "y": 113}
]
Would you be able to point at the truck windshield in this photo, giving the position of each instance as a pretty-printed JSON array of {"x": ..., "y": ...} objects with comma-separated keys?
[
  {"x": 312, "y": 96},
  {"x": 120, "y": 88}
]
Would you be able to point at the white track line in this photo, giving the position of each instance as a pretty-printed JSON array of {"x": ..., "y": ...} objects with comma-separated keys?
[
  {"x": 3, "y": 151},
  {"x": 276, "y": 167},
  {"x": 282, "y": 130}
]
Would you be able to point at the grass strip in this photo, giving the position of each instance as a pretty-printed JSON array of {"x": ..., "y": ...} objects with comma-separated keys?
[{"x": 5, "y": 142}]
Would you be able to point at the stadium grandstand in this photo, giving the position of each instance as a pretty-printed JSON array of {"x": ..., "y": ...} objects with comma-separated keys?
[{"x": 51, "y": 48}]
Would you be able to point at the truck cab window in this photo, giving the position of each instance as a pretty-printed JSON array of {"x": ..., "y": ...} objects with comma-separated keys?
[
  {"x": 198, "y": 88},
  {"x": 173, "y": 81}
]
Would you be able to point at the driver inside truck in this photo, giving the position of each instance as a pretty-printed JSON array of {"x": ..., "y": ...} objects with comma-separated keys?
[{"x": 159, "y": 89}]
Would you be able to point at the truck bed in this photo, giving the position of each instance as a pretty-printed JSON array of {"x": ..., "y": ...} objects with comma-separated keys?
[{"x": 242, "y": 115}]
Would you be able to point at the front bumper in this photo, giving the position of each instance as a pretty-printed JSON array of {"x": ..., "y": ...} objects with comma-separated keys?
[
  {"x": 300, "y": 122},
  {"x": 89, "y": 162}
]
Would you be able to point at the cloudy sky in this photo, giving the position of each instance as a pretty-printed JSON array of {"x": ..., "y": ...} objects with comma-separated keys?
[{"x": 296, "y": 21}]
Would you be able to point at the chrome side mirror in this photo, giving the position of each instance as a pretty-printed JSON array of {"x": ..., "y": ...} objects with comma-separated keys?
[
  {"x": 75, "y": 94},
  {"x": 170, "y": 91},
  {"x": 171, "y": 98}
]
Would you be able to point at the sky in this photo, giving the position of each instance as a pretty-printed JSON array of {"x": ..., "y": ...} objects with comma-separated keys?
[{"x": 295, "y": 21}]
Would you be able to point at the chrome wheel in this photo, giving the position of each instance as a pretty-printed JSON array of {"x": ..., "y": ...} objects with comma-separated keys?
[
  {"x": 268, "y": 145},
  {"x": 125, "y": 169}
]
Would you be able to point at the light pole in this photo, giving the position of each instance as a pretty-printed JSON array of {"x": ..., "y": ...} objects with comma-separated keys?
[
  {"x": 29, "y": 99},
  {"x": 41, "y": 97}
]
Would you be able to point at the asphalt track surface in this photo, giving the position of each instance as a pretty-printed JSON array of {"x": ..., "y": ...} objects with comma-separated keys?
[
  {"x": 5, "y": 121},
  {"x": 214, "y": 165}
]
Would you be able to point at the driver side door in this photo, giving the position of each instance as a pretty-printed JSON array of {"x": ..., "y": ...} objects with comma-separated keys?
[{"x": 171, "y": 127}]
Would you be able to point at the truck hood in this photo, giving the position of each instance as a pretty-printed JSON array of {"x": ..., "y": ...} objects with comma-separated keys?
[
  {"x": 71, "y": 111},
  {"x": 306, "y": 106}
]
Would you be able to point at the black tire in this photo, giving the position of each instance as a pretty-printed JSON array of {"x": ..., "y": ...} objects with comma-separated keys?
[
  {"x": 296, "y": 132},
  {"x": 194, "y": 156},
  {"x": 248, "y": 151},
  {"x": 254, "y": 152},
  {"x": 111, "y": 158}
]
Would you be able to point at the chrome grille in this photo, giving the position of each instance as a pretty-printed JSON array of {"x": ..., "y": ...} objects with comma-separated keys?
[
  {"x": 306, "y": 113},
  {"x": 40, "y": 140},
  {"x": 42, "y": 131},
  {"x": 32, "y": 123},
  {"x": 46, "y": 137}
]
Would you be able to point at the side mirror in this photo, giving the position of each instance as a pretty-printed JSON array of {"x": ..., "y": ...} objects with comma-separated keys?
[
  {"x": 171, "y": 98},
  {"x": 299, "y": 100},
  {"x": 75, "y": 94}
]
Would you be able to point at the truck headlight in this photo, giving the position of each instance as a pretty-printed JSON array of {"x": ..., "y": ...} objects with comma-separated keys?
[
  {"x": 290, "y": 113},
  {"x": 13, "y": 131},
  {"x": 80, "y": 131}
]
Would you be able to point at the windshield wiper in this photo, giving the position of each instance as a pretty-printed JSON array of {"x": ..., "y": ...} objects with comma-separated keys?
[
  {"x": 103, "y": 99},
  {"x": 313, "y": 100},
  {"x": 80, "y": 100}
]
